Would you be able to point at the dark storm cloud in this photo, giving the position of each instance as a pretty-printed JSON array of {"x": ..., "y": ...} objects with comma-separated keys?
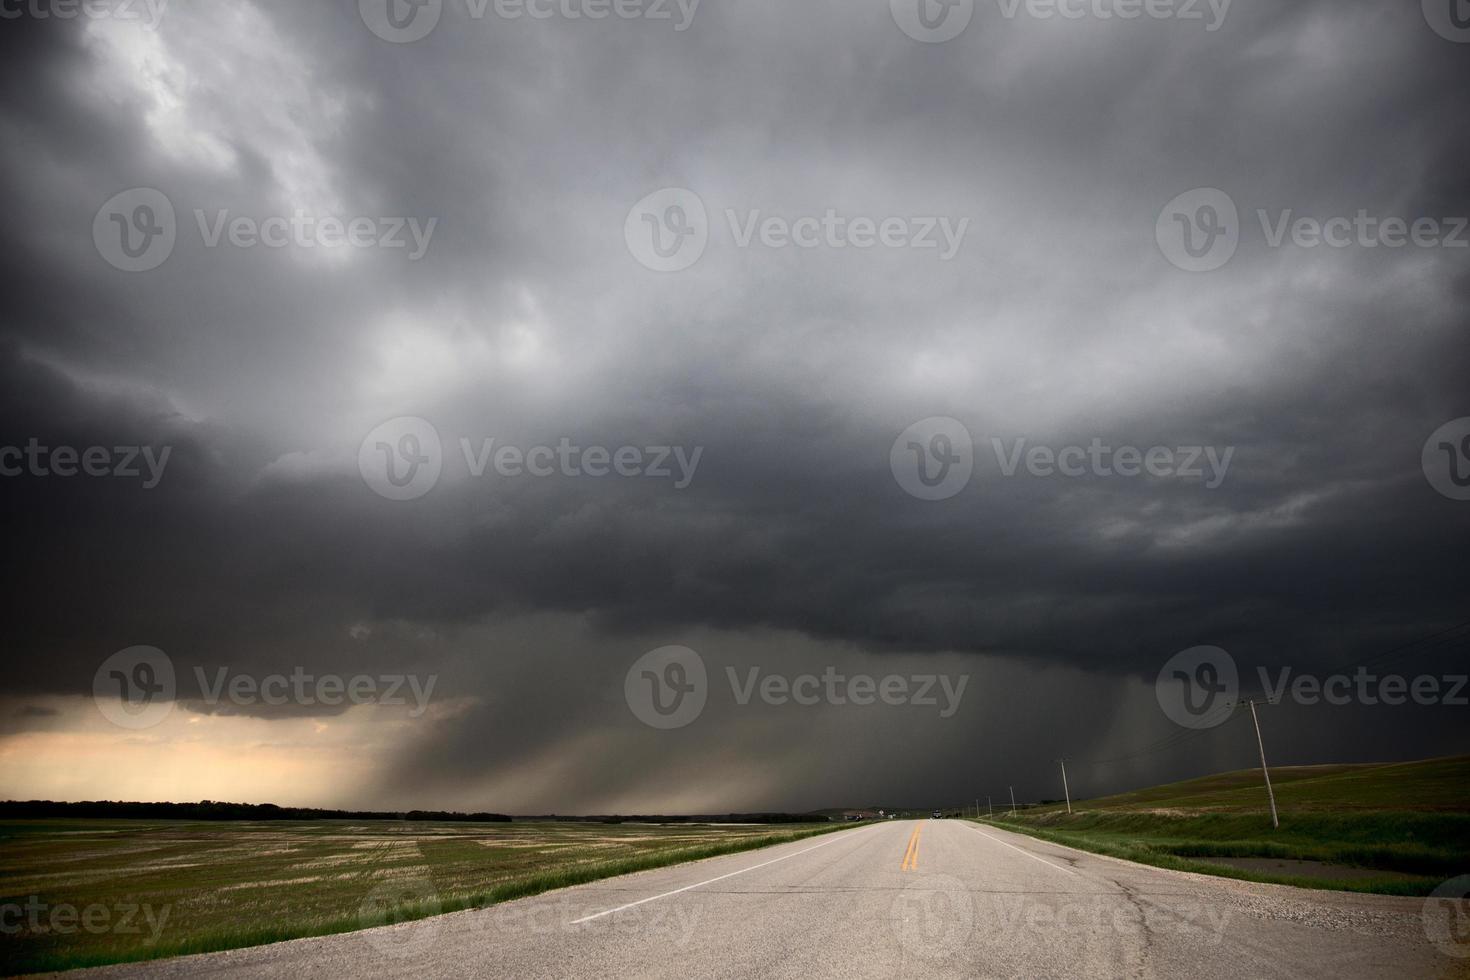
[{"x": 528, "y": 321}]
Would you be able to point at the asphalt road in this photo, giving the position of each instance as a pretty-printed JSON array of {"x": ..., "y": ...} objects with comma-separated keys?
[{"x": 924, "y": 898}]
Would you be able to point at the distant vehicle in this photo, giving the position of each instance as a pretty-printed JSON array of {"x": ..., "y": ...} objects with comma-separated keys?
[{"x": 938, "y": 815}]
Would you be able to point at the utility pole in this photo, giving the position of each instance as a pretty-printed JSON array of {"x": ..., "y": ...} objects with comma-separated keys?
[
  {"x": 989, "y": 810},
  {"x": 1067, "y": 792},
  {"x": 1013, "y": 801},
  {"x": 1270, "y": 794}
]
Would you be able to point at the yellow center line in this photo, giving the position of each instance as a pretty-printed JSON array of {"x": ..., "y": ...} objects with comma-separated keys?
[{"x": 911, "y": 856}]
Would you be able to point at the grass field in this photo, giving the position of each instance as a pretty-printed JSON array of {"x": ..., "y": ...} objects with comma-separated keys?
[
  {"x": 1400, "y": 828},
  {"x": 87, "y": 892}
]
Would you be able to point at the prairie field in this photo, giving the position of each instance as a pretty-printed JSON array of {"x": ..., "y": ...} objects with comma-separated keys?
[{"x": 76, "y": 892}]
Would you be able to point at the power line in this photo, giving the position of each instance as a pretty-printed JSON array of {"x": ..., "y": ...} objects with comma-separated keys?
[
  {"x": 1435, "y": 640},
  {"x": 1168, "y": 742}
]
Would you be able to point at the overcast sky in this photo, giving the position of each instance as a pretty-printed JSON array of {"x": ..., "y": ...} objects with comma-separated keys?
[{"x": 790, "y": 535}]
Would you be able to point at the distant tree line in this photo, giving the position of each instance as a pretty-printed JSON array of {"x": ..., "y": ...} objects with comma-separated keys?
[
  {"x": 215, "y": 810},
  {"x": 695, "y": 818}
]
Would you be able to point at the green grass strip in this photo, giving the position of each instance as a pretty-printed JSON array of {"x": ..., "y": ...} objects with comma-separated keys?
[{"x": 1152, "y": 855}]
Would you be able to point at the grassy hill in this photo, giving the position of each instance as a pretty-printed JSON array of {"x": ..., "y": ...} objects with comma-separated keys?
[
  {"x": 1427, "y": 785},
  {"x": 1398, "y": 828}
]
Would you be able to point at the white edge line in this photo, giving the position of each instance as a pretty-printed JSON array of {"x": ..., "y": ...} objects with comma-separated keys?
[
  {"x": 1022, "y": 850},
  {"x": 654, "y": 898}
]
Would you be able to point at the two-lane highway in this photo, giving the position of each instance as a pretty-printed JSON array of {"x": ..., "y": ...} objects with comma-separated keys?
[{"x": 897, "y": 899}]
